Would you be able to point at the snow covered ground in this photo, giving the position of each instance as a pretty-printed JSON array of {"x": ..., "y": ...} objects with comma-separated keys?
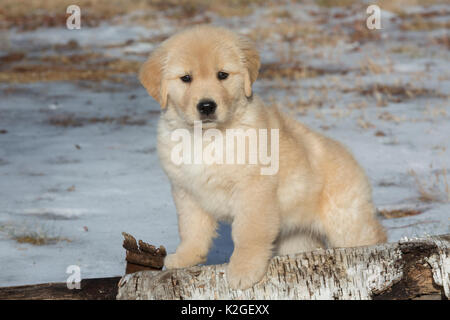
[{"x": 78, "y": 162}]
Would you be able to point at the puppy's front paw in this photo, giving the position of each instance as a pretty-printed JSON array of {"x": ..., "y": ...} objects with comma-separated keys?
[
  {"x": 178, "y": 260},
  {"x": 172, "y": 261},
  {"x": 244, "y": 273}
]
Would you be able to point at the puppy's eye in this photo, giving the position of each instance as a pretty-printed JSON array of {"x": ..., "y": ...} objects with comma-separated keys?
[
  {"x": 186, "y": 78},
  {"x": 222, "y": 75}
]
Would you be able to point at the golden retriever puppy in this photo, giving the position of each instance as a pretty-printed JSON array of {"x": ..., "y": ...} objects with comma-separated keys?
[{"x": 316, "y": 196}]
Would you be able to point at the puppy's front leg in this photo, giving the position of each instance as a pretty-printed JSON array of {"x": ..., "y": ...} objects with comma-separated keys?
[
  {"x": 197, "y": 229},
  {"x": 254, "y": 230}
]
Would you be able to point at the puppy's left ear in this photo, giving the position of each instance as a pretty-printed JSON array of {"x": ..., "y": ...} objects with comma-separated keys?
[
  {"x": 151, "y": 76},
  {"x": 250, "y": 57}
]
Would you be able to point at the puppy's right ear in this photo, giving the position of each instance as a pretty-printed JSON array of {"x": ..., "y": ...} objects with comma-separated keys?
[{"x": 151, "y": 76}]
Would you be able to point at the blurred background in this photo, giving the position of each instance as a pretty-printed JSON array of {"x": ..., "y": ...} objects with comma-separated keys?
[{"x": 78, "y": 162}]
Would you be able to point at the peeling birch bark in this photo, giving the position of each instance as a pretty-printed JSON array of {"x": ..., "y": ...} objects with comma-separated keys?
[{"x": 408, "y": 269}]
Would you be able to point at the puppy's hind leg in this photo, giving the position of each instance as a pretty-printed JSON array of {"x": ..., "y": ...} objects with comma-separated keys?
[{"x": 352, "y": 223}]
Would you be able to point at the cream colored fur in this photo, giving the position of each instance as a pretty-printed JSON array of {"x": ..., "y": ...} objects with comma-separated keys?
[{"x": 319, "y": 197}]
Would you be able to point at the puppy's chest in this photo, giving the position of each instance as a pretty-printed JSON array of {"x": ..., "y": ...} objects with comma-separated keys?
[{"x": 211, "y": 186}]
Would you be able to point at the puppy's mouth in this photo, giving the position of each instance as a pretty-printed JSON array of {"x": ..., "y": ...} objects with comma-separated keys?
[
  {"x": 208, "y": 119},
  {"x": 209, "y": 123}
]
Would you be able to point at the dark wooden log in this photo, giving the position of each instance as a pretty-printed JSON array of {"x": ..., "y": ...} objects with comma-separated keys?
[
  {"x": 90, "y": 289},
  {"x": 139, "y": 257}
]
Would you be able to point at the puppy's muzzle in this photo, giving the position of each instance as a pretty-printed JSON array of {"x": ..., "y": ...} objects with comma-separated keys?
[{"x": 207, "y": 108}]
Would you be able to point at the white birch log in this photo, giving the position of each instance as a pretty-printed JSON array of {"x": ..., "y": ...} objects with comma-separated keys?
[{"x": 405, "y": 270}]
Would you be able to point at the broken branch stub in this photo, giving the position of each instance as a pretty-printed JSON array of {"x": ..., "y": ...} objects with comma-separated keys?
[{"x": 142, "y": 257}]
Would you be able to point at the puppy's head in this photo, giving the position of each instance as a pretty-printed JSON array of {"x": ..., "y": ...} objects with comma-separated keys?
[{"x": 205, "y": 73}]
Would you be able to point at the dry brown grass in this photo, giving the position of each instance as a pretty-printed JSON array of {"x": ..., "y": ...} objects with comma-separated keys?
[
  {"x": 335, "y": 3},
  {"x": 394, "y": 93},
  {"x": 436, "y": 189},
  {"x": 391, "y": 5},
  {"x": 71, "y": 120},
  {"x": 291, "y": 33},
  {"x": 398, "y": 6},
  {"x": 363, "y": 123},
  {"x": 311, "y": 101},
  {"x": 435, "y": 113},
  {"x": 294, "y": 71},
  {"x": 409, "y": 50},
  {"x": 52, "y": 13},
  {"x": 289, "y": 71},
  {"x": 37, "y": 235},
  {"x": 399, "y": 213},
  {"x": 419, "y": 23},
  {"x": 387, "y": 116},
  {"x": 83, "y": 66},
  {"x": 442, "y": 40},
  {"x": 369, "y": 66},
  {"x": 360, "y": 33},
  {"x": 39, "y": 239}
]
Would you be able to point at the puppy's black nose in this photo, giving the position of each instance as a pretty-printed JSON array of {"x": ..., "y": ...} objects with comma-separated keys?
[{"x": 206, "y": 107}]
